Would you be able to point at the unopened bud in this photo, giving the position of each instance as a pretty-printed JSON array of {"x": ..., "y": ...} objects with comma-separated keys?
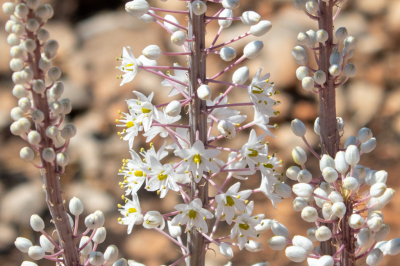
[
  {"x": 312, "y": 7},
  {"x": 230, "y": 4},
  {"x": 173, "y": 108},
  {"x": 335, "y": 70},
  {"x": 36, "y": 253},
  {"x": 241, "y": 75},
  {"x": 323, "y": 233},
  {"x": 178, "y": 38},
  {"x": 279, "y": 229},
  {"x": 152, "y": 52},
  {"x": 307, "y": 83},
  {"x": 352, "y": 155},
  {"x": 322, "y": 36},
  {"x": 253, "y": 49},
  {"x": 111, "y": 253},
  {"x": 227, "y": 129},
  {"x": 169, "y": 25},
  {"x": 326, "y": 161},
  {"x": 299, "y": 156},
  {"x": 226, "y": 250},
  {"x": 292, "y": 172},
  {"x": 341, "y": 34},
  {"x": 336, "y": 57},
  {"x": 309, "y": 214},
  {"x": 350, "y": 183},
  {"x": 48, "y": 155},
  {"x": 330, "y": 175},
  {"x": 57, "y": 89},
  {"x": 17, "y": 113},
  {"x": 146, "y": 18},
  {"x": 50, "y": 49},
  {"x": 364, "y": 238},
  {"x": 43, "y": 35},
  {"x": 304, "y": 176},
  {"x": 88, "y": 248},
  {"x": 199, "y": 7},
  {"x": 38, "y": 86},
  {"x": 350, "y": 43},
  {"x": 62, "y": 159},
  {"x": 261, "y": 28},
  {"x": 27, "y": 154},
  {"x": 37, "y": 223},
  {"x": 23, "y": 244},
  {"x": 137, "y": 8},
  {"x": 69, "y": 131},
  {"x": 21, "y": 11},
  {"x": 299, "y": 204},
  {"x": 368, "y": 146},
  {"x": 299, "y": 53},
  {"x": 277, "y": 243},
  {"x": 100, "y": 235},
  {"x": 303, "y": 190},
  {"x": 54, "y": 73},
  {"x": 96, "y": 258},
  {"x": 298, "y": 128},
  {"x": 227, "y": 53},
  {"x": 296, "y": 254},
  {"x": 46, "y": 244},
  {"x": 227, "y": 13},
  {"x": 120, "y": 262},
  {"x": 8, "y": 8},
  {"x": 204, "y": 92},
  {"x": 320, "y": 77},
  {"x": 302, "y": 72},
  {"x": 350, "y": 70},
  {"x": 250, "y": 18}
]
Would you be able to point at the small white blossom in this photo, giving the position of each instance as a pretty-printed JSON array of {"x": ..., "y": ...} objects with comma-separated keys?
[
  {"x": 254, "y": 152},
  {"x": 162, "y": 118},
  {"x": 129, "y": 65},
  {"x": 132, "y": 213},
  {"x": 180, "y": 75},
  {"x": 260, "y": 92},
  {"x": 144, "y": 109}
]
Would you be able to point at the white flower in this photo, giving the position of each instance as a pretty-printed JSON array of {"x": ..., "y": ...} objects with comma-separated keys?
[
  {"x": 197, "y": 159},
  {"x": 192, "y": 214},
  {"x": 160, "y": 154},
  {"x": 230, "y": 201},
  {"x": 180, "y": 75},
  {"x": 225, "y": 113},
  {"x": 132, "y": 213},
  {"x": 163, "y": 177},
  {"x": 132, "y": 127},
  {"x": 262, "y": 121},
  {"x": 238, "y": 164},
  {"x": 183, "y": 140},
  {"x": 144, "y": 109},
  {"x": 245, "y": 225},
  {"x": 260, "y": 91},
  {"x": 153, "y": 219},
  {"x": 254, "y": 151},
  {"x": 268, "y": 186},
  {"x": 162, "y": 118},
  {"x": 129, "y": 65},
  {"x": 135, "y": 173}
]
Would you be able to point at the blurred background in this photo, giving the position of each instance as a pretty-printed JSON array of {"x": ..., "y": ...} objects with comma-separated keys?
[{"x": 92, "y": 33}]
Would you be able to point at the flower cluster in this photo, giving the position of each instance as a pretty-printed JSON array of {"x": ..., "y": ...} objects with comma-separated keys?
[{"x": 197, "y": 159}]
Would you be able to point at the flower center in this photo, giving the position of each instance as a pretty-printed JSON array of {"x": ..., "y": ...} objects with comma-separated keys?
[
  {"x": 197, "y": 159},
  {"x": 244, "y": 226},
  {"x": 138, "y": 173},
  {"x": 192, "y": 214},
  {"x": 253, "y": 153},
  {"x": 229, "y": 201},
  {"x": 129, "y": 124},
  {"x": 259, "y": 91},
  {"x": 145, "y": 110},
  {"x": 161, "y": 177},
  {"x": 268, "y": 165},
  {"x": 132, "y": 210}
]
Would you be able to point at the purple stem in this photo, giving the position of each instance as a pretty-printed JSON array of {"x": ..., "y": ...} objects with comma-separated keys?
[
  {"x": 49, "y": 238},
  {"x": 227, "y": 83},
  {"x": 231, "y": 41},
  {"x": 217, "y": 36},
  {"x": 229, "y": 67},
  {"x": 165, "y": 28},
  {"x": 229, "y": 105},
  {"x": 222, "y": 148},
  {"x": 168, "y": 21},
  {"x": 169, "y": 125},
  {"x": 174, "y": 53},
  {"x": 310, "y": 148},
  {"x": 87, "y": 242},
  {"x": 164, "y": 67},
  {"x": 170, "y": 237},
  {"x": 178, "y": 261},
  {"x": 223, "y": 18},
  {"x": 169, "y": 11}
]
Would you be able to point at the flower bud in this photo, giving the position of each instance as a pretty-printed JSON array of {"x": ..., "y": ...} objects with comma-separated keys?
[
  {"x": 227, "y": 53},
  {"x": 277, "y": 243},
  {"x": 350, "y": 183},
  {"x": 198, "y": 7},
  {"x": 32, "y": 4},
  {"x": 28, "y": 45},
  {"x": 364, "y": 237},
  {"x": 227, "y": 129},
  {"x": 36, "y": 253},
  {"x": 335, "y": 196},
  {"x": 16, "y": 52},
  {"x": 253, "y": 49},
  {"x": 153, "y": 219},
  {"x": 283, "y": 190},
  {"x": 174, "y": 230},
  {"x": 352, "y": 155},
  {"x": 292, "y": 172},
  {"x": 43, "y": 35},
  {"x": 48, "y": 155},
  {"x": 279, "y": 229},
  {"x": 350, "y": 43},
  {"x": 137, "y": 8},
  {"x": 225, "y": 14},
  {"x": 46, "y": 244},
  {"x": 298, "y": 128},
  {"x": 21, "y": 11},
  {"x": 312, "y": 7},
  {"x": 311, "y": 234},
  {"x": 19, "y": 91},
  {"x": 322, "y": 36},
  {"x": 302, "y": 72},
  {"x": 24, "y": 104},
  {"x": 169, "y": 25},
  {"x": 323, "y": 233},
  {"x": 299, "y": 155},
  {"x": 152, "y": 52},
  {"x": 226, "y": 250},
  {"x": 23, "y": 244},
  {"x": 27, "y": 74},
  {"x": 307, "y": 83},
  {"x": 13, "y": 39},
  {"x": 320, "y": 77},
  {"x": 392, "y": 247},
  {"x": 296, "y": 254},
  {"x": 326, "y": 161},
  {"x": 335, "y": 70},
  {"x": 37, "y": 116},
  {"x": 27, "y": 154},
  {"x": 173, "y": 108},
  {"x": 356, "y": 221},
  {"x": 299, "y": 204},
  {"x": 100, "y": 235},
  {"x": 387, "y": 196},
  {"x": 317, "y": 127},
  {"x": 17, "y": 113},
  {"x": 327, "y": 212},
  {"x": 57, "y": 89},
  {"x": 250, "y": 18},
  {"x": 178, "y": 38},
  {"x": 52, "y": 132},
  {"x": 336, "y": 57},
  {"x": 54, "y": 73},
  {"x": 241, "y": 75},
  {"x": 339, "y": 209},
  {"x": 348, "y": 53},
  {"x": 37, "y": 223},
  {"x": 382, "y": 233},
  {"x": 309, "y": 214},
  {"x": 88, "y": 248},
  {"x": 111, "y": 253},
  {"x": 261, "y": 28},
  {"x": 146, "y": 18},
  {"x": 32, "y": 25},
  {"x": 350, "y": 70},
  {"x": 364, "y": 134},
  {"x": 230, "y": 4},
  {"x": 66, "y": 106},
  {"x": 18, "y": 29},
  {"x": 313, "y": 37},
  {"x": 69, "y": 131},
  {"x": 375, "y": 257},
  {"x": 299, "y": 53},
  {"x": 303, "y": 38},
  {"x": 43, "y": 13},
  {"x": 254, "y": 246},
  {"x": 38, "y": 86},
  {"x": 8, "y": 8},
  {"x": 303, "y": 242},
  {"x": 368, "y": 146},
  {"x": 50, "y": 49},
  {"x": 330, "y": 175},
  {"x": 303, "y": 190},
  {"x": 56, "y": 108},
  {"x": 204, "y": 92},
  {"x": 96, "y": 258},
  {"x": 341, "y": 34},
  {"x": 75, "y": 206},
  {"x": 142, "y": 60},
  {"x": 375, "y": 224},
  {"x": 120, "y": 262},
  {"x": 304, "y": 176},
  {"x": 352, "y": 140},
  {"x": 93, "y": 221},
  {"x": 264, "y": 226},
  {"x": 325, "y": 260},
  {"x": 377, "y": 190},
  {"x": 16, "y": 64}
]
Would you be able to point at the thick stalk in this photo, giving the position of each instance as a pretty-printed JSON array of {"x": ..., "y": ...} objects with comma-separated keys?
[
  {"x": 198, "y": 125},
  {"x": 327, "y": 108},
  {"x": 51, "y": 179},
  {"x": 347, "y": 257}
]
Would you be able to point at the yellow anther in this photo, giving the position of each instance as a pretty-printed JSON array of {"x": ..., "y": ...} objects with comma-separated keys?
[
  {"x": 158, "y": 191},
  {"x": 122, "y": 197},
  {"x": 119, "y": 206},
  {"x": 116, "y": 121},
  {"x": 126, "y": 181},
  {"x": 238, "y": 196},
  {"x": 149, "y": 168},
  {"x": 119, "y": 111},
  {"x": 126, "y": 200},
  {"x": 120, "y": 171},
  {"x": 186, "y": 171},
  {"x": 135, "y": 182},
  {"x": 119, "y": 133}
]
